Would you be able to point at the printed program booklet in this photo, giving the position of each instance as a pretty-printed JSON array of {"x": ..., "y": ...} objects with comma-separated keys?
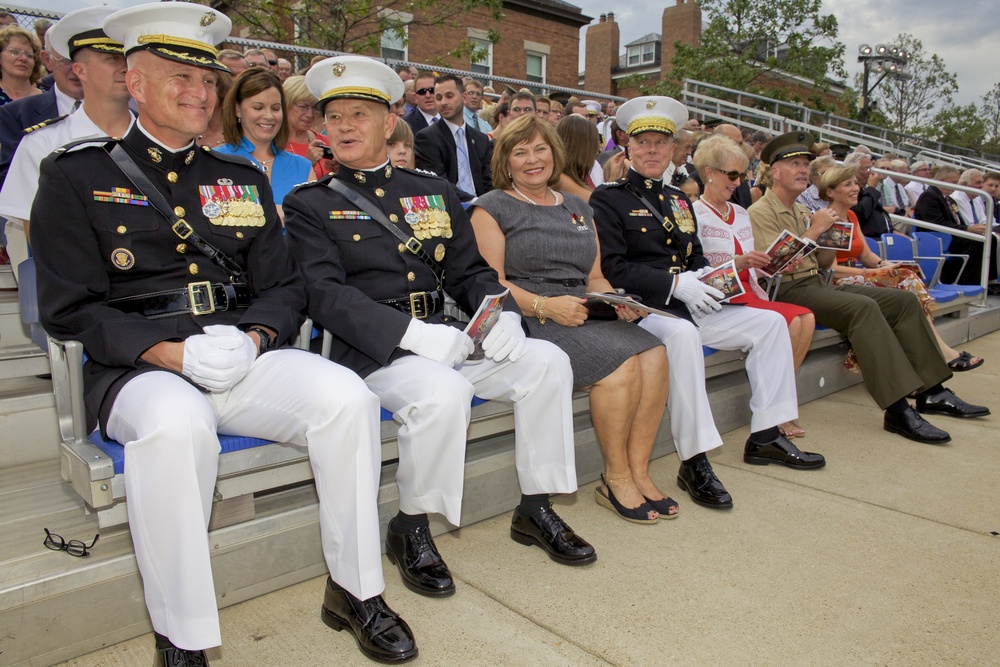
[
  {"x": 482, "y": 323},
  {"x": 621, "y": 300},
  {"x": 785, "y": 249},
  {"x": 725, "y": 279},
  {"x": 838, "y": 237}
]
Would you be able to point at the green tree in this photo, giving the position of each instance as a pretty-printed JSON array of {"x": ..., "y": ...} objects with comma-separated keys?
[
  {"x": 989, "y": 111},
  {"x": 357, "y": 26},
  {"x": 925, "y": 88},
  {"x": 956, "y": 125},
  {"x": 747, "y": 40}
]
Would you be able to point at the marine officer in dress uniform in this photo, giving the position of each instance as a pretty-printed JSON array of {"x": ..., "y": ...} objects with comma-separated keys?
[
  {"x": 170, "y": 267},
  {"x": 892, "y": 339},
  {"x": 650, "y": 247},
  {"x": 378, "y": 246}
]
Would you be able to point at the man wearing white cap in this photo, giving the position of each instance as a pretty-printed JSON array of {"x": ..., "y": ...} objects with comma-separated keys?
[
  {"x": 650, "y": 247},
  {"x": 100, "y": 65},
  {"x": 167, "y": 262},
  {"x": 378, "y": 247}
]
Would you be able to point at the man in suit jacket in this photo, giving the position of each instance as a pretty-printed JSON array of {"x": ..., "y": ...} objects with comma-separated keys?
[
  {"x": 437, "y": 149},
  {"x": 426, "y": 110},
  {"x": 27, "y": 112}
]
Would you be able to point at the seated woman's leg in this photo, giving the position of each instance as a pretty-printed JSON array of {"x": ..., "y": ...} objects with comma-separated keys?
[
  {"x": 614, "y": 403},
  {"x": 800, "y": 331}
]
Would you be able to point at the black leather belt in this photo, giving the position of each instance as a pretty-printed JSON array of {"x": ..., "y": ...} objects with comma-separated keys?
[
  {"x": 418, "y": 304},
  {"x": 565, "y": 282},
  {"x": 201, "y": 298}
]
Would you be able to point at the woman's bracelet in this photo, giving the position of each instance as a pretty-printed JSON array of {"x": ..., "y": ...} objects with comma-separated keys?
[{"x": 541, "y": 310}]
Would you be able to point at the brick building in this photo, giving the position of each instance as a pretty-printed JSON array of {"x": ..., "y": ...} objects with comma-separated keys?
[{"x": 539, "y": 40}]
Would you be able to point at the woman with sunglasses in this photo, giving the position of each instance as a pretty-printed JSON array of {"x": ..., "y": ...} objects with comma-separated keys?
[
  {"x": 650, "y": 247},
  {"x": 725, "y": 233}
]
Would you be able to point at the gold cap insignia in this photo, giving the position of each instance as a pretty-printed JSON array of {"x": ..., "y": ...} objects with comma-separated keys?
[
  {"x": 207, "y": 19},
  {"x": 650, "y": 104},
  {"x": 339, "y": 69}
]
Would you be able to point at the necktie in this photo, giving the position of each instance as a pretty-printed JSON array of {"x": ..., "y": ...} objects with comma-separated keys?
[
  {"x": 901, "y": 200},
  {"x": 972, "y": 205},
  {"x": 465, "y": 181},
  {"x": 76, "y": 105}
]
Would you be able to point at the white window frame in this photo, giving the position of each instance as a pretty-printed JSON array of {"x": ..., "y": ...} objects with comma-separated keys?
[
  {"x": 481, "y": 40},
  {"x": 542, "y": 58},
  {"x": 404, "y": 19}
]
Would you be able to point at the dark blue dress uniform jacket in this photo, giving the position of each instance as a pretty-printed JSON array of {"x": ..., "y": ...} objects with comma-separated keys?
[
  {"x": 350, "y": 261},
  {"x": 90, "y": 251},
  {"x": 637, "y": 252}
]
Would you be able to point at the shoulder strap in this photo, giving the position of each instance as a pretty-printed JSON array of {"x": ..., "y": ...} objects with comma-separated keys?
[
  {"x": 411, "y": 243},
  {"x": 180, "y": 227},
  {"x": 667, "y": 224}
]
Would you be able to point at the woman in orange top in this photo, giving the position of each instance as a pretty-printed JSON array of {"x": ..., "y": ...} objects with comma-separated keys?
[{"x": 839, "y": 187}]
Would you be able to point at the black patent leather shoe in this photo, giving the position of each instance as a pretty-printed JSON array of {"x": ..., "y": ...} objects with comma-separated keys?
[
  {"x": 168, "y": 655},
  {"x": 910, "y": 424},
  {"x": 547, "y": 530},
  {"x": 783, "y": 452},
  {"x": 381, "y": 634},
  {"x": 699, "y": 480},
  {"x": 945, "y": 402},
  {"x": 421, "y": 566}
]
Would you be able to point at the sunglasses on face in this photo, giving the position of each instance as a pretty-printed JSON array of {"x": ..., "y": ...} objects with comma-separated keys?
[
  {"x": 731, "y": 175},
  {"x": 424, "y": 91}
]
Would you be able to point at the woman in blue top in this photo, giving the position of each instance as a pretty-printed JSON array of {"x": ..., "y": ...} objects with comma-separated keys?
[{"x": 254, "y": 125}]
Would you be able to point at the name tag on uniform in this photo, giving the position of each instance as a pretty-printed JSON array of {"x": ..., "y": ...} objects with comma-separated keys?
[
  {"x": 349, "y": 215},
  {"x": 120, "y": 196}
]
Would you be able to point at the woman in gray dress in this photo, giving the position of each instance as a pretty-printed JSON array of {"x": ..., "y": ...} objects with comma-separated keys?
[{"x": 544, "y": 246}]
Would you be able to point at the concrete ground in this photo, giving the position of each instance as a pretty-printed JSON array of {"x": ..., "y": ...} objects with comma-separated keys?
[{"x": 884, "y": 557}]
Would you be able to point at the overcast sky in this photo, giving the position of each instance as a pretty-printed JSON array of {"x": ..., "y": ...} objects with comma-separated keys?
[{"x": 965, "y": 33}]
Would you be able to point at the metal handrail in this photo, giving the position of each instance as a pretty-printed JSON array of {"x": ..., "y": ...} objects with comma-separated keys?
[{"x": 985, "y": 237}]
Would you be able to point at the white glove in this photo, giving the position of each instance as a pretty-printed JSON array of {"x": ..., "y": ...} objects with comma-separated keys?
[
  {"x": 506, "y": 338},
  {"x": 437, "y": 342},
  {"x": 218, "y": 358},
  {"x": 697, "y": 295}
]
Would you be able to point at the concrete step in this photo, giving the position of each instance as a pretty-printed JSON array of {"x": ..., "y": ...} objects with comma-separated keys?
[
  {"x": 22, "y": 360},
  {"x": 28, "y": 425},
  {"x": 13, "y": 331},
  {"x": 7, "y": 277}
]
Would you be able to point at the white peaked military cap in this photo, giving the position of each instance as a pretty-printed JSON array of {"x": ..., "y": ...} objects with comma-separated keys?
[
  {"x": 179, "y": 31},
  {"x": 83, "y": 29},
  {"x": 652, "y": 113},
  {"x": 593, "y": 107},
  {"x": 353, "y": 77}
]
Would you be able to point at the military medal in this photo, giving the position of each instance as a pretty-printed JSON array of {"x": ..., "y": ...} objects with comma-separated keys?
[
  {"x": 427, "y": 215},
  {"x": 439, "y": 252},
  {"x": 682, "y": 215},
  {"x": 211, "y": 209},
  {"x": 232, "y": 205},
  {"x": 120, "y": 196}
]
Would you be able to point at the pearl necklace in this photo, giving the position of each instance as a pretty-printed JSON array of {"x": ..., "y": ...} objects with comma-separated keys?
[
  {"x": 717, "y": 212},
  {"x": 555, "y": 196}
]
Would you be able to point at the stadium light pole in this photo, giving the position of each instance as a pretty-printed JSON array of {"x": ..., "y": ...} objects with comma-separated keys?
[{"x": 884, "y": 59}]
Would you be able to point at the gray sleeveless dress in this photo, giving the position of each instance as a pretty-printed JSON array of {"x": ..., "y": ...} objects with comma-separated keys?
[{"x": 558, "y": 242}]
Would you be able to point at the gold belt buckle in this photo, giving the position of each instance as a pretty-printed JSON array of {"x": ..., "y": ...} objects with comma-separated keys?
[
  {"x": 675, "y": 269},
  {"x": 182, "y": 229},
  {"x": 413, "y": 245},
  {"x": 201, "y": 298},
  {"x": 419, "y": 311}
]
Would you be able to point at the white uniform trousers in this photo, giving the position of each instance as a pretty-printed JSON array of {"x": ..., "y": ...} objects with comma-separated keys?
[
  {"x": 763, "y": 336},
  {"x": 169, "y": 431},
  {"x": 691, "y": 423},
  {"x": 431, "y": 402}
]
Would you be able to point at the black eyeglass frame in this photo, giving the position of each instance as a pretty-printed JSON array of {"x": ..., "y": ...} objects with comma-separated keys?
[
  {"x": 72, "y": 547},
  {"x": 424, "y": 91}
]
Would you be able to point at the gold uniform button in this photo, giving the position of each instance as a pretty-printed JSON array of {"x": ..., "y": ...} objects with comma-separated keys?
[
  {"x": 393, "y": 218},
  {"x": 402, "y": 247},
  {"x": 673, "y": 258},
  {"x": 670, "y": 241},
  {"x": 411, "y": 276},
  {"x": 179, "y": 211},
  {"x": 193, "y": 269},
  {"x": 122, "y": 229},
  {"x": 239, "y": 235},
  {"x": 181, "y": 248},
  {"x": 643, "y": 229},
  {"x": 379, "y": 192},
  {"x": 172, "y": 176},
  {"x": 661, "y": 197},
  {"x": 357, "y": 237}
]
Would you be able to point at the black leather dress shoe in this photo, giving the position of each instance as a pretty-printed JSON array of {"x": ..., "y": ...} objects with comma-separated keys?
[
  {"x": 781, "y": 451},
  {"x": 381, "y": 634},
  {"x": 945, "y": 402},
  {"x": 421, "y": 566},
  {"x": 546, "y": 529},
  {"x": 910, "y": 424},
  {"x": 168, "y": 655},
  {"x": 699, "y": 480}
]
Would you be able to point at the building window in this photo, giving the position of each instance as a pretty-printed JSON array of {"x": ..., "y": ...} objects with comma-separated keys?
[
  {"x": 484, "y": 63},
  {"x": 642, "y": 54},
  {"x": 536, "y": 67},
  {"x": 394, "y": 40}
]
